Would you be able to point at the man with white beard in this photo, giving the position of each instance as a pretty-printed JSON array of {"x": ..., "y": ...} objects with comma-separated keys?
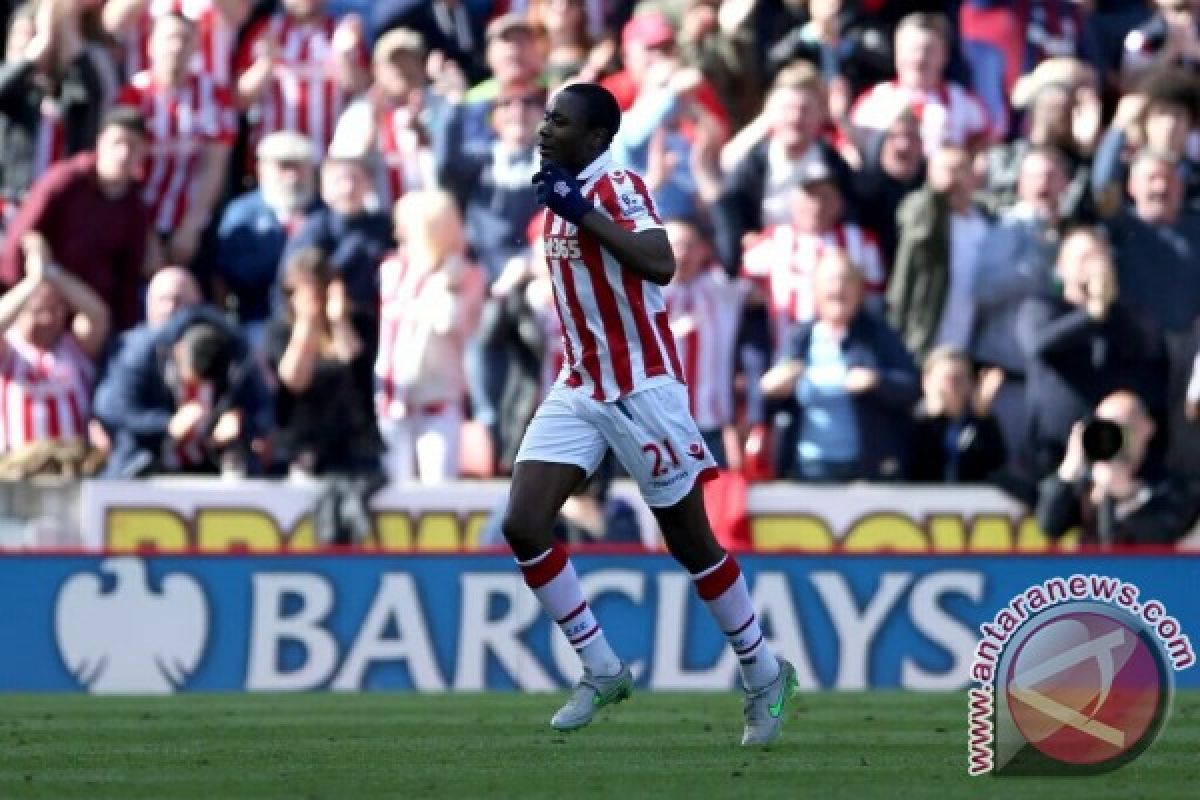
[{"x": 255, "y": 228}]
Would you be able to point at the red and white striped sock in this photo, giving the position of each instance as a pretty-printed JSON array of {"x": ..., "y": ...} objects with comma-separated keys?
[
  {"x": 723, "y": 590},
  {"x": 552, "y": 578}
]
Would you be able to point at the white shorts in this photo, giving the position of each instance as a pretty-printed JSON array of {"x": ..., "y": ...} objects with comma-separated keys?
[{"x": 651, "y": 431}]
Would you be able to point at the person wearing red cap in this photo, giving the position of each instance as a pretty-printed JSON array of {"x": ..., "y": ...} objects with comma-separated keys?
[{"x": 647, "y": 39}]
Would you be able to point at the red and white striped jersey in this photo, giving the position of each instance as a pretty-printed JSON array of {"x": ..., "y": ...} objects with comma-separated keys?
[
  {"x": 705, "y": 312},
  {"x": 44, "y": 395},
  {"x": 303, "y": 95},
  {"x": 403, "y": 159},
  {"x": 616, "y": 334},
  {"x": 947, "y": 114},
  {"x": 215, "y": 38},
  {"x": 189, "y": 452},
  {"x": 782, "y": 263},
  {"x": 182, "y": 121},
  {"x": 423, "y": 332}
]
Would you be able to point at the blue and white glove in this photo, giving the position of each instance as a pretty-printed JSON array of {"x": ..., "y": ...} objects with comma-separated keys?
[{"x": 558, "y": 191}]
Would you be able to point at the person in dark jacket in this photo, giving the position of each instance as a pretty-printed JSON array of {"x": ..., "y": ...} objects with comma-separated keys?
[
  {"x": 1083, "y": 346},
  {"x": 494, "y": 188},
  {"x": 852, "y": 382},
  {"x": 893, "y": 168},
  {"x": 1121, "y": 499},
  {"x": 755, "y": 192},
  {"x": 952, "y": 441},
  {"x": 49, "y": 84},
  {"x": 254, "y": 229},
  {"x": 183, "y": 397},
  {"x": 452, "y": 27}
]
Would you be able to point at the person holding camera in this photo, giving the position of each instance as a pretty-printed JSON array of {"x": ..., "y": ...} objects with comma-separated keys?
[{"x": 1105, "y": 486}]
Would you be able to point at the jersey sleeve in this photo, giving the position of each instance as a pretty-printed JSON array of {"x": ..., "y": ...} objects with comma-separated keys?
[{"x": 624, "y": 195}]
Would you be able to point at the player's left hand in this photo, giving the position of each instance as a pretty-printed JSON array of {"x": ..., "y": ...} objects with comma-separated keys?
[{"x": 558, "y": 191}]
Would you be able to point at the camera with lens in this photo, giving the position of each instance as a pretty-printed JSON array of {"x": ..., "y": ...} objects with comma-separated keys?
[{"x": 1103, "y": 440}]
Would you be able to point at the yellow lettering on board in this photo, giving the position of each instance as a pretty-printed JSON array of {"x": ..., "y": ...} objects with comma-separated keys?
[
  {"x": 394, "y": 531},
  {"x": 221, "y": 529},
  {"x": 438, "y": 532},
  {"x": 476, "y": 522},
  {"x": 302, "y": 539},
  {"x": 992, "y": 533},
  {"x": 947, "y": 532},
  {"x": 885, "y": 531},
  {"x": 1030, "y": 536},
  {"x": 132, "y": 529},
  {"x": 790, "y": 532}
]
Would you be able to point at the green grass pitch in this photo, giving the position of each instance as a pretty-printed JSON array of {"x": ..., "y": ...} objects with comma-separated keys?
[{"x": 657, "y": 745}]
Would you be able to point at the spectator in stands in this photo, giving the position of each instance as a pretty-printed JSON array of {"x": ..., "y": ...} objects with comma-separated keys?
[
  {"x": 705, "y": 306},
  {"x": 948, "y": 112},
  {"x": 1121, "y": 499},
  {"x": 941, "y": 234},
  {"x": 352, "y": 238},
  {"x": 513, "y": 58},
  {"x": 1082, "y": 347},
  {"x": 1064, "y": 113},
  {"x": 297, "y": 69},
  {"x": 673, "y": 139},
  {"x": 254, "y": 229},
  {"x": 431, "y": 299},
  {"x": 217, "y": 24},
  {"x": 565, "y": 40},
  {"x": 452, "y": 28},
  {"x": 52, "y": 328},
  {"x": 170, "y": 290},
  {"x": 90, "y": 211},
  {"x": 893, "y": 167},
  {"x": 1160, "y": 116},
  {"x": 520, "y": 319},
  {"x": 51, "y": 98},
  {"x": 719, "y": 39},
  {"x": 325, "y": 420},
  {"x": 648, "y": 39},
  {"x": 494, "y": 187},
  {"x": 762, "y": 161},
  {"x": 192, "y": 128},
  {"x": 1016, "y": 262},
  {"x": 849, "y": 48},
  {"x": 1170, "y": 38},
  {"x": 514, "y": 61},
  {"x": 1157, "y": 245},
  {"x": 782, "y": 263},
  {"x": 954, "y": 438},
  {"x": 184, "y": 397},
  {"x": 853, "y": 383},
  {"x": 389, "y": 125}
]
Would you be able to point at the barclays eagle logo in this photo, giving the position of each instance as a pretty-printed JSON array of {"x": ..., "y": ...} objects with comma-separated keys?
[{"x": 132, "y": 639}]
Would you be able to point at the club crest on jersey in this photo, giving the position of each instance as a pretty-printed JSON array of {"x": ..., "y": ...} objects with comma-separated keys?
[
  {"x": 632, "y": 203},
  {"x": 562, "y": 247},
  {"x": 561, "y": 189},
  {"x": 696, "y": 451}
]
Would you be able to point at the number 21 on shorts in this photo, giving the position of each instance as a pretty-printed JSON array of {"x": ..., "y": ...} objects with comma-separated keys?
[{"x": 659, "y": 469}]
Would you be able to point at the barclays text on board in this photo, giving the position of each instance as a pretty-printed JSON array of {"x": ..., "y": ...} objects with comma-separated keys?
[{"x": 193, "y": 623}]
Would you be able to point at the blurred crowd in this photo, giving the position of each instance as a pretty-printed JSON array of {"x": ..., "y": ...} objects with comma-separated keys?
[{"x": 916, "y": 241}]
